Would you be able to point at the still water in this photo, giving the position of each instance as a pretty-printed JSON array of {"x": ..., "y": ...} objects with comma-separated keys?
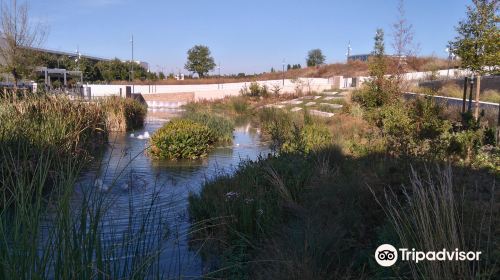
[{"x": 133, "y": 184}]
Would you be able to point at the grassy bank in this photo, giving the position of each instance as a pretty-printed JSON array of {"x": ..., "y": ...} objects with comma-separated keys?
[
  {"x": 384, "y": 172},
  {"x": 45, "y": 233}
]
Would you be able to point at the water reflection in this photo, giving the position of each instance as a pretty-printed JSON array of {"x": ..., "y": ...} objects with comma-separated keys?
[{"x": 132, "y": 183}]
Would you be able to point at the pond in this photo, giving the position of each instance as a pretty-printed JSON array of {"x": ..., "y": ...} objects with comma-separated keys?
[{"x": 137, "y": 189}]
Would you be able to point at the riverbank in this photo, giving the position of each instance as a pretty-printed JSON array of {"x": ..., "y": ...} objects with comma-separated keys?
[
  {"x": 46, "y": 142},
  {"x": 321, "y": 212}
]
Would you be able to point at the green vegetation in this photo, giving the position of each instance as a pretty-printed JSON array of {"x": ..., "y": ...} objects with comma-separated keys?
[
  {"x": 123, "y": 114},
  {"x": 191, "y": 136},
  {"x": 315, "y": 58},
  {"x": 255, "y": 90},
  {"x": 45, "y": 142},
  {"x": 336, "y": 189},
  {"x": 478, "y": 42},
  {"x": 221, "y": 128},
  {"x": 181, "y": 139},
  {"x": 199, "y": 60},
  {"x": 293, "y": 132}
]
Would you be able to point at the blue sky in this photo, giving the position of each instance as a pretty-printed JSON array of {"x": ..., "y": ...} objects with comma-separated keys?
[{"x": 244, "y": 36}]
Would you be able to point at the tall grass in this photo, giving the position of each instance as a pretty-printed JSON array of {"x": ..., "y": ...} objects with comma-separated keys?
[
  {"x": 49, "y": 231},
  {"x": 221, "y": 128},
  {"x": 433, "y": 216},
  {"x": 123, "y": 114},
  {"x": 52, "y": 236}
]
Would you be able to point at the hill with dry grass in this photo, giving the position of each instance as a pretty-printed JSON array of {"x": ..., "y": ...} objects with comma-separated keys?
[{"x": 349, "y": 69}]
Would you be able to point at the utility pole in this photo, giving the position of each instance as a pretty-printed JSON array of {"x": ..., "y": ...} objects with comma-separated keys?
[
  {"x": 132, "y": 65},
  {"x": 349, "y": 49}
]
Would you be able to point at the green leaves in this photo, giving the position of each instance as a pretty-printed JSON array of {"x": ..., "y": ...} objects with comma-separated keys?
[
  {"x": 181, "y": 139},
  {"x": 478, "y": 40},
  {"x": 315, "y": 57},
  {"x": 199, "y": 60}
]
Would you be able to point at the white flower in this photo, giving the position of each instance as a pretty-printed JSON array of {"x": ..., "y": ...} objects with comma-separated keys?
[
  {"x": 231, "y": 195},
  {"x": 260, "y": 212}
]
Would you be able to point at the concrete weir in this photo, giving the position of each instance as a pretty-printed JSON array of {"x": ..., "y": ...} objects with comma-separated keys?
[{"x": 170, "y": 100}]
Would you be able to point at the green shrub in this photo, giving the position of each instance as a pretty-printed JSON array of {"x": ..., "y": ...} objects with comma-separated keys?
[
  {"x": 255, "y": 90},
  {"x": 181, "y": 139},
  {"x": 124, "y": 114},
  {"x": 375, "y": 95},
  {"x": 290, "y": 133},
  {"x": 220, "y": 127}
]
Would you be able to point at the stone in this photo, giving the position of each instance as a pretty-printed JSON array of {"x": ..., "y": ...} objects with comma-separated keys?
[
  {"x": 321, "y": 113},
  {"x": 296, "y": 109},
  {"x": 334, "y": 106},
  {"x": 330, "y": 92},
  {"x": 310, "y": 103}
]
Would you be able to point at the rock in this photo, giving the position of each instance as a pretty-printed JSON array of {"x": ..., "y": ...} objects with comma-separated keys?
[
  {"x": 292, "y": 102},
  {"x": 310, "y": 103},
  {"x": 296, "y": 109},
  {"x": 333, "y": 97},
  {"x": 334, "y": 106},
  {"x": 330, "y": 92},
  {"x": 321, "y": 113}
]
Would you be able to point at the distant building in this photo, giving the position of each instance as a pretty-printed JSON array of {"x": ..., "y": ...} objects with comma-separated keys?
[
  {"x": 359, "y": 57},
  {"x": 366, "y": 57}
]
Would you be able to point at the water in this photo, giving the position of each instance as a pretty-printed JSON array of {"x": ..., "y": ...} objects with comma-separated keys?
[{"x": 133, "y": 184}]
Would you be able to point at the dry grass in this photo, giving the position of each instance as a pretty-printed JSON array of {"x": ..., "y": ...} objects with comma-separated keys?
[
  {"x": 431, "y": 218},
  {"x": 350, "y": 69}
]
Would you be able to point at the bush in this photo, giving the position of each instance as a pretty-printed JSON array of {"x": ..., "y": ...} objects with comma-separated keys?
[
  {"x": 375, "y": 94},
  {"x": 181, "y": 139},
  {"x": 255, "y": 90},
  {"x": 292, "y": 134},
  {"x": 220, "y": 127},
  {"x": 124, "y": 114}
]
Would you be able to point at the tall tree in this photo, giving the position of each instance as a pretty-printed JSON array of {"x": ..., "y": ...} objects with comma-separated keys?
[
  {"x": 315, "y": 57},
  {"x": 18, "y": 37},
  {"x": 199, "y": 60},
  {"x": 402, "y": 44},
  {"x": 377, "y": 63},
  {"x": 478, "y": 41}
]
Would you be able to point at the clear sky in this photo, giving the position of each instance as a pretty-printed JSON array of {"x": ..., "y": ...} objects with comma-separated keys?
[{"x": 244, "y": 36}]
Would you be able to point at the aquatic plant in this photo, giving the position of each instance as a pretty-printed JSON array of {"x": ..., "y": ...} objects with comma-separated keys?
[
  {"x": 123, "y": 114},
  {"x": 220, "y": 127},
  {"x": 181, "y": 139}
]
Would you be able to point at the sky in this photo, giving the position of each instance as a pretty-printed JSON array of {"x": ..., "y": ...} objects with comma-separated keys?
[{"x": 243, "y": 36}]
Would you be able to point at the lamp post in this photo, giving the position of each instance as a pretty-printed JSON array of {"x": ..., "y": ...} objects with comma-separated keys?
[{"x": 218, "y": 84}]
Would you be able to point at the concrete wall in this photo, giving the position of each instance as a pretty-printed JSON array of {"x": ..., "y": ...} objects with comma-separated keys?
[{"x": 213, "y": 91}]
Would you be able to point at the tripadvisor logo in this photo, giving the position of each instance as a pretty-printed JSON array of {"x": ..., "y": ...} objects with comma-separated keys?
[{"x": 386, "y": 255}]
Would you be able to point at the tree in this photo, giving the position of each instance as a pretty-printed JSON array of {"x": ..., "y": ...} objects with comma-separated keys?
[
  {"x": 315, "y": 57},
  {"x": 377, "y": 63},
  {"x": 199, "y": 60},
  {"x": 18, "y": 39},
  {"x": 403, "y": 44},
  {"x": 161, "y": 76},
  {"x": 478, "y": 41}
]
